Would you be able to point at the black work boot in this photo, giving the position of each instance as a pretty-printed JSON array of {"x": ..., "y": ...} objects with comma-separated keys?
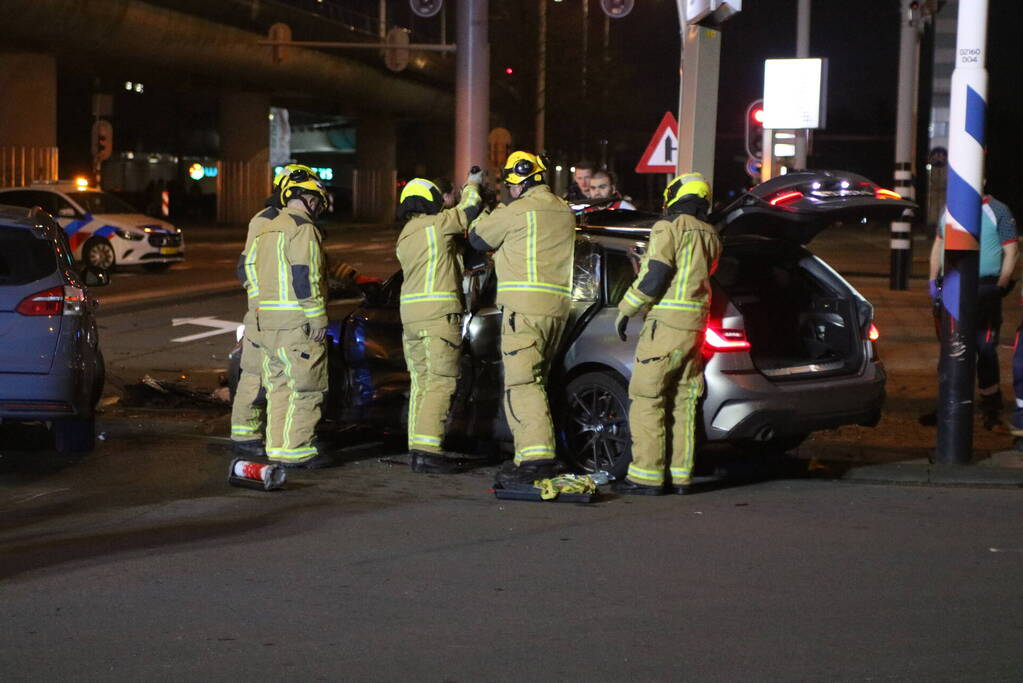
[
  {"x": 629, "y": 488},
  {"x": 522, "y": 476},
  {"x": 437, "y": 463},
  {"x": 991, "y": 409},
  {"x": 250, "y": 450},
  {"x": 322, "y": 459}
]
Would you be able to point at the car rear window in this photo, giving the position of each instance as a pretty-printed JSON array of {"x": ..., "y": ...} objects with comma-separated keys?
[{"x": 24, "y": 258}]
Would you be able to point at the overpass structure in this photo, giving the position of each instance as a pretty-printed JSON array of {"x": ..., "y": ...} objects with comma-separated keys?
[{"x": 203, "y": 55}]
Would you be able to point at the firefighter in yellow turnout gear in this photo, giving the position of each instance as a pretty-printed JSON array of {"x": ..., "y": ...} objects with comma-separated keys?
[
  {"x": 431, "y": 312},
  {"x": 283, "y": 267},
  {"x": 534, "y": 239},
  {"x": 246, "y": 416},
  {"x": 674, "y": 285}
]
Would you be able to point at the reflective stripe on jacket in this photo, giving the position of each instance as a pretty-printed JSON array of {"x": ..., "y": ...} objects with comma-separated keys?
[
  {"x": 674, "y": 278},
  {"x": 431, "y": 260},
  {"x": 534, "y": 239},
  {"x": 283, "y": 265}
]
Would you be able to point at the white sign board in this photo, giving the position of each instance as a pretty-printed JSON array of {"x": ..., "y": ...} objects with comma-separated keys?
[
  {"x": 794, "y": 93},
  {"x": 696, "y": 10}
]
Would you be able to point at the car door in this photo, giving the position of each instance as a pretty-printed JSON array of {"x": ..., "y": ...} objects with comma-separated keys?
[{"x": 484, "y": 407}]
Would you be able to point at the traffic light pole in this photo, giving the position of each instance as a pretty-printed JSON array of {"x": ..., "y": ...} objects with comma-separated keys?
[
  {"x": 698, "y": 99},
  {"x": 905, "y": 142},
  {"x": 957, "y": 365},
  {"x": 472, "y": 86}
]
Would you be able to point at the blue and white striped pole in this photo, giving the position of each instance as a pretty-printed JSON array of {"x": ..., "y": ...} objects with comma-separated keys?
[{"x": 957, "y": 366}]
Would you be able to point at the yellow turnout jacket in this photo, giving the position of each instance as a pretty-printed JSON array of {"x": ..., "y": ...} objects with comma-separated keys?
[{"x": 534, "y": 240}]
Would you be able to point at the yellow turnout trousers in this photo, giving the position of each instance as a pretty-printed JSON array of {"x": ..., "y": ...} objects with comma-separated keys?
[
  {"x": 294, "y": 370},
  {"x": 246, "y": 417},
  {"x": 668, "y": 369},
  {"x": 528, "y": 343},
  {"x": 432, "y": 353}
]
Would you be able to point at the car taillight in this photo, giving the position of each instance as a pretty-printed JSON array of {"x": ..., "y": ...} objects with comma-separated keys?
[
  {"x": 726, "y": 340},
  {"x": 873, "y": 334},
  {"x": 65, "y": 300},
  {"x": 47, "y": 302},
  {"x": 786, "y": 198}
]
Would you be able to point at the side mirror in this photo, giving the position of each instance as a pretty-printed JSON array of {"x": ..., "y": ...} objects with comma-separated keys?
[
  {"x": 95, "y": 276},
  {"x": 66, "y": 212}
]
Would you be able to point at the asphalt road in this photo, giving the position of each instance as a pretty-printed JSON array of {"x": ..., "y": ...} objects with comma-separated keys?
[
  {"x": 138, "y": 561},
  {"x": 149, "y": 322}
]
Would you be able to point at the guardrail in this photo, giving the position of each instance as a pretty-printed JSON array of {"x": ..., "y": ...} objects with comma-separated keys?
[{"x": 21, "y": 164}]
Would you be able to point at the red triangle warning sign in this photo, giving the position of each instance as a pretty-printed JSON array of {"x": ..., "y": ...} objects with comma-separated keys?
[{"x": 661, "y": 154}]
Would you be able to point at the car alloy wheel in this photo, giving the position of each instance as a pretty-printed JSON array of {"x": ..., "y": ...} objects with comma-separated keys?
[
  {"x": 100, "y": 253},
  {"x": 594, "y": 425}
]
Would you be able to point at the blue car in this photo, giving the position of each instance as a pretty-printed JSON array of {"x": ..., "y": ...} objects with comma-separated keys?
[{"x": 51, "y": 367}]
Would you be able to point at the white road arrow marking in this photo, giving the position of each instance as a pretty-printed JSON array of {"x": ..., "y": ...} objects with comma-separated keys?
[{"x": 222, "y": 327}]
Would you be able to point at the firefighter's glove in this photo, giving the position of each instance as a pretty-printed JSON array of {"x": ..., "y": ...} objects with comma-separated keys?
[
  {"x": 566, "y": 483},
  {"x": 317, "y": 334},
  {"x": 475, "y": 175},
  {"x": 621, "y": 324},
  {"x": 934, "y": 287}
]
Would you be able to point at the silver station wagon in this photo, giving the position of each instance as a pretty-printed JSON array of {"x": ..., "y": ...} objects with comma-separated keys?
[{"x": 789, "y": 344}]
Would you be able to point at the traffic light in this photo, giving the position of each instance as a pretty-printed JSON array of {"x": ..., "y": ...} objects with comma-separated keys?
[
  {"x": 102, "y": 140},
  {"x": 755, "y": 129}
]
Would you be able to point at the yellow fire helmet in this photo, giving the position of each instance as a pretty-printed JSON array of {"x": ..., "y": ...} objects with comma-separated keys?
[
  {"x": 300, "y": 181},
  {"x": 523, "y": 167},
  {"x": 287, "y": 170},
  {"x": 688, "y": 185},
  {"x": 275, "y": 191},
  {"x": 419, "y": 196}
]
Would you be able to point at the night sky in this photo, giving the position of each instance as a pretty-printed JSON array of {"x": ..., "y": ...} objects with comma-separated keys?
[{"x": 859, "y": 39}]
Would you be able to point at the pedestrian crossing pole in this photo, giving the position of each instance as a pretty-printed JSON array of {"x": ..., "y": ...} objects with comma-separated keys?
[
  {"x": 905, "y": 141},
  {"x": 957, "y": 365}
]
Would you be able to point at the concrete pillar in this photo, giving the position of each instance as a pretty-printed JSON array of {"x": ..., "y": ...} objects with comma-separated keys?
[
  {"x": 28, "y": 117},
  {"x": 373, "y": 185},
  {"x": 243, "y": 182}
]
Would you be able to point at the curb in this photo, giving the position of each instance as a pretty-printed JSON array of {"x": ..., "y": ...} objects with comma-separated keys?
[
  {"x": 144, "y": 302},
  {"x": 926, "y": 474}
]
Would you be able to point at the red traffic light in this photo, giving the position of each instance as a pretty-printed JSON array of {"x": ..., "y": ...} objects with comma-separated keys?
[
  {"x": 508, "y": 70},
  {"x": 758, "y": 115}
]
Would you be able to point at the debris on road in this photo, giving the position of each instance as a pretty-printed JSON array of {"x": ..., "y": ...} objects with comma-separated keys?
[{"x": 150, "y": 392}]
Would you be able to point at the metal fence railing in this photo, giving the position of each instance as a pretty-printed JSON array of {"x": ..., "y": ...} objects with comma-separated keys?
[
  {"x": 21, "y": 164},
  {"x": 242, "y": 187},
  {"x": 374, "y": 195}
]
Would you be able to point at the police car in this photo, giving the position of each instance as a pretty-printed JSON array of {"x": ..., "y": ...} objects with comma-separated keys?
[{"x": 102, "y": 229}]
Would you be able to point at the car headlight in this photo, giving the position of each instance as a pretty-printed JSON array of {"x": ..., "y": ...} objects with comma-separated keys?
[{"x": 128, "y": 235}]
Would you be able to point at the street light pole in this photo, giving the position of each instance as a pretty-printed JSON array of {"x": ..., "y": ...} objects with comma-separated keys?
[
  {"x": 541, "y": 77},
  {"x": 802, "y": 52},
  {"x": 967, "y": 115},
  {"x": 586, "y": 58},
  {"x": 472, "y": 86}
]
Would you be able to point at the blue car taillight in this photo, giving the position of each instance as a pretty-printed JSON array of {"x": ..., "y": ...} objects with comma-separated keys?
[{"x": 66, "y": 300}]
